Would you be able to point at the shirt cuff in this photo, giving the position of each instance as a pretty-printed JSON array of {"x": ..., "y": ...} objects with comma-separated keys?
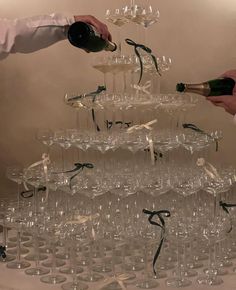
[{"x": 70, "y": 19}]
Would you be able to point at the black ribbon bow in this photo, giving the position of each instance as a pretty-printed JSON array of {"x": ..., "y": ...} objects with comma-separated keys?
[
  {"x": 92, "y": 94},
  {"x": 152, "y": 214},
  {"x": 196, "y": 129},
  {"x": 225, "y": 207},
  {"x": 146, "y": 49},
  {"x": 109, "y": 124},
  {"x": 3, "y": 252},
  {"x": 30, "y": 193},
  {"x": 156, "y": 154},
  {"x": 78, "y": 168}
]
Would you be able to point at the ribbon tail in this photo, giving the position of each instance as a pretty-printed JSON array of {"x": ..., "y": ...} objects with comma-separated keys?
[
  {"x": 156, "y": 64},
  {"x": 72, "y": 177},
  {"x": 122, "y": 285},
  {"x": 94, "y": 120},
  {"x": 140, "y": 63},
  {"x": 231, "y": 227},
  {"x": 217, "y": 145},
  {"x": 25, "y": 194},
  {"x": 157, "y": 255}
]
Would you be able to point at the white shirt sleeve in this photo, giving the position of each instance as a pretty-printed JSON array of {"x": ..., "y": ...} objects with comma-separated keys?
[{"x": 31, "y": 34}]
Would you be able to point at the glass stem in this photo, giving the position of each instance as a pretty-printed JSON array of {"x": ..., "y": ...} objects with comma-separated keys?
[
  {"x": 215, "y": 206},
  {"x": 118, "y": 42},
  {"x": 73, "y": 264},
  {"x": 123, "y": 256},
  {"x": 18, "y": 255},
  {"x": 125, "y": 83},
  {"x": 211, "y": 259},
  {"x": 90, "y": 258},
  {"x": 36, "y": 250},
  {"x": 54, "y": 264},
  {"x": 145, "y": 36},
  {"x": 77, "y": 120},
  {"x": 132, "y": 83},
  {"x": 18, "y": 195},
  {"x": 113, "y": 256},
  {"x": 4, "y": 233},
  {"x": 145, "y": 252},
  {"x": 179, "y": 272},
  {"x": 185, "y": 257},
  {"x": 114, "y": 83},
  {"x": 102, "y": 253},
  {"x": 105, "y": 80},
  {"x": 63, "y": 159}
]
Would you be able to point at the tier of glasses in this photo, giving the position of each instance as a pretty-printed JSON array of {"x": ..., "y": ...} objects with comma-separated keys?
[
  {"x": 137, "y": 140},
  {"x": 95, "y": 243},
  {"x": 145, "y": 15},
  {"x": 122, "y": 177},
  {"x": 124, "y": 63},
  {"x": 169, "y": 102}
]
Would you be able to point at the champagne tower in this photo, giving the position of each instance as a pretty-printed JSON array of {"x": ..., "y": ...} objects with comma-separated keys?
[{"x": 133, "y": 174}]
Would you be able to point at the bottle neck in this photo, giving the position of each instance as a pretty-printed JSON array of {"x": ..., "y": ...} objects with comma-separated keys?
[
  {"x": 201, "y": 89},
  {"x": 110, "y": 46}
]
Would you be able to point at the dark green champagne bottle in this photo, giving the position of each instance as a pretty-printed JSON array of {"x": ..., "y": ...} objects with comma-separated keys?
[
  {"x": 85, "y": 36},
  {"x": 217, "y": 87}
]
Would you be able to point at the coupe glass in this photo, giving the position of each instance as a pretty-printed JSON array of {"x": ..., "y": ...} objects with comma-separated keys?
[
  {"x": 54, "y": 220},
  {"x": 3, "y": 210},
  {"x": 14, "y": 220},
  {"x": 45, "y": 136},
  {"x": 74, "y": 232},
  {"x": 35, "y": 223},
  {"x": 214, "y": 231},
  {"x": 117, "y": 17},
  {"x": 180, "y": 231},
  {"x": 146, "y": 15}
]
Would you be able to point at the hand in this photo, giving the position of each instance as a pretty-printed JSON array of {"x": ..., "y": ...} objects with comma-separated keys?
[
  {"x": 100, "y": 27},
  {"x": 226, "y": 102}
]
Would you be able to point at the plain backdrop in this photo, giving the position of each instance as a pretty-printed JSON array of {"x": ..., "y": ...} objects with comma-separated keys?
[{"x": 199, "y": 36}]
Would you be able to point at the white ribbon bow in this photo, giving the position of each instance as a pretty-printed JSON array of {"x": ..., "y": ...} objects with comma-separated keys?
[
  {"x": 144, "y": 89},
  {"x": 149, "y": 138},
  {"x": 83, "y": 219},
  {"x": 119, "y": 279},
  {"x": 142, "y": 126},
  {"x": 151, "y": 147},
  {"x": 210, "y": 170},
  {"x": 45, "y": 162}
]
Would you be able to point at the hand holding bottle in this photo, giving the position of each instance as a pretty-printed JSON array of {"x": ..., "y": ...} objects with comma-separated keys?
[
  {"x": 228, "y": 102},
  {"x": 89, "y": 34},
  {"x": 100, "y": 26}
]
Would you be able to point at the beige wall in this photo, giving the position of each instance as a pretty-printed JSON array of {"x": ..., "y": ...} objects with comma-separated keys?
[{"x": 200, "y": 36}]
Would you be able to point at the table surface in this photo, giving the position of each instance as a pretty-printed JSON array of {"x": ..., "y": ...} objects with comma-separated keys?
[
  {"x": 17, "y": 280},
  {"x": 11, "y": 279}
]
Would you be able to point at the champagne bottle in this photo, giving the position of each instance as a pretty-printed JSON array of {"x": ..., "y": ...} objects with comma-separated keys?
[
  {"x": 85, "y": 36},
  {"x": 216, "y": 87}
]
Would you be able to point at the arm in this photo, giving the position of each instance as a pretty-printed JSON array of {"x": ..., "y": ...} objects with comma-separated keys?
[
  {"x": 38, "y": 32},
  {"x": 31, "y": 34}
]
